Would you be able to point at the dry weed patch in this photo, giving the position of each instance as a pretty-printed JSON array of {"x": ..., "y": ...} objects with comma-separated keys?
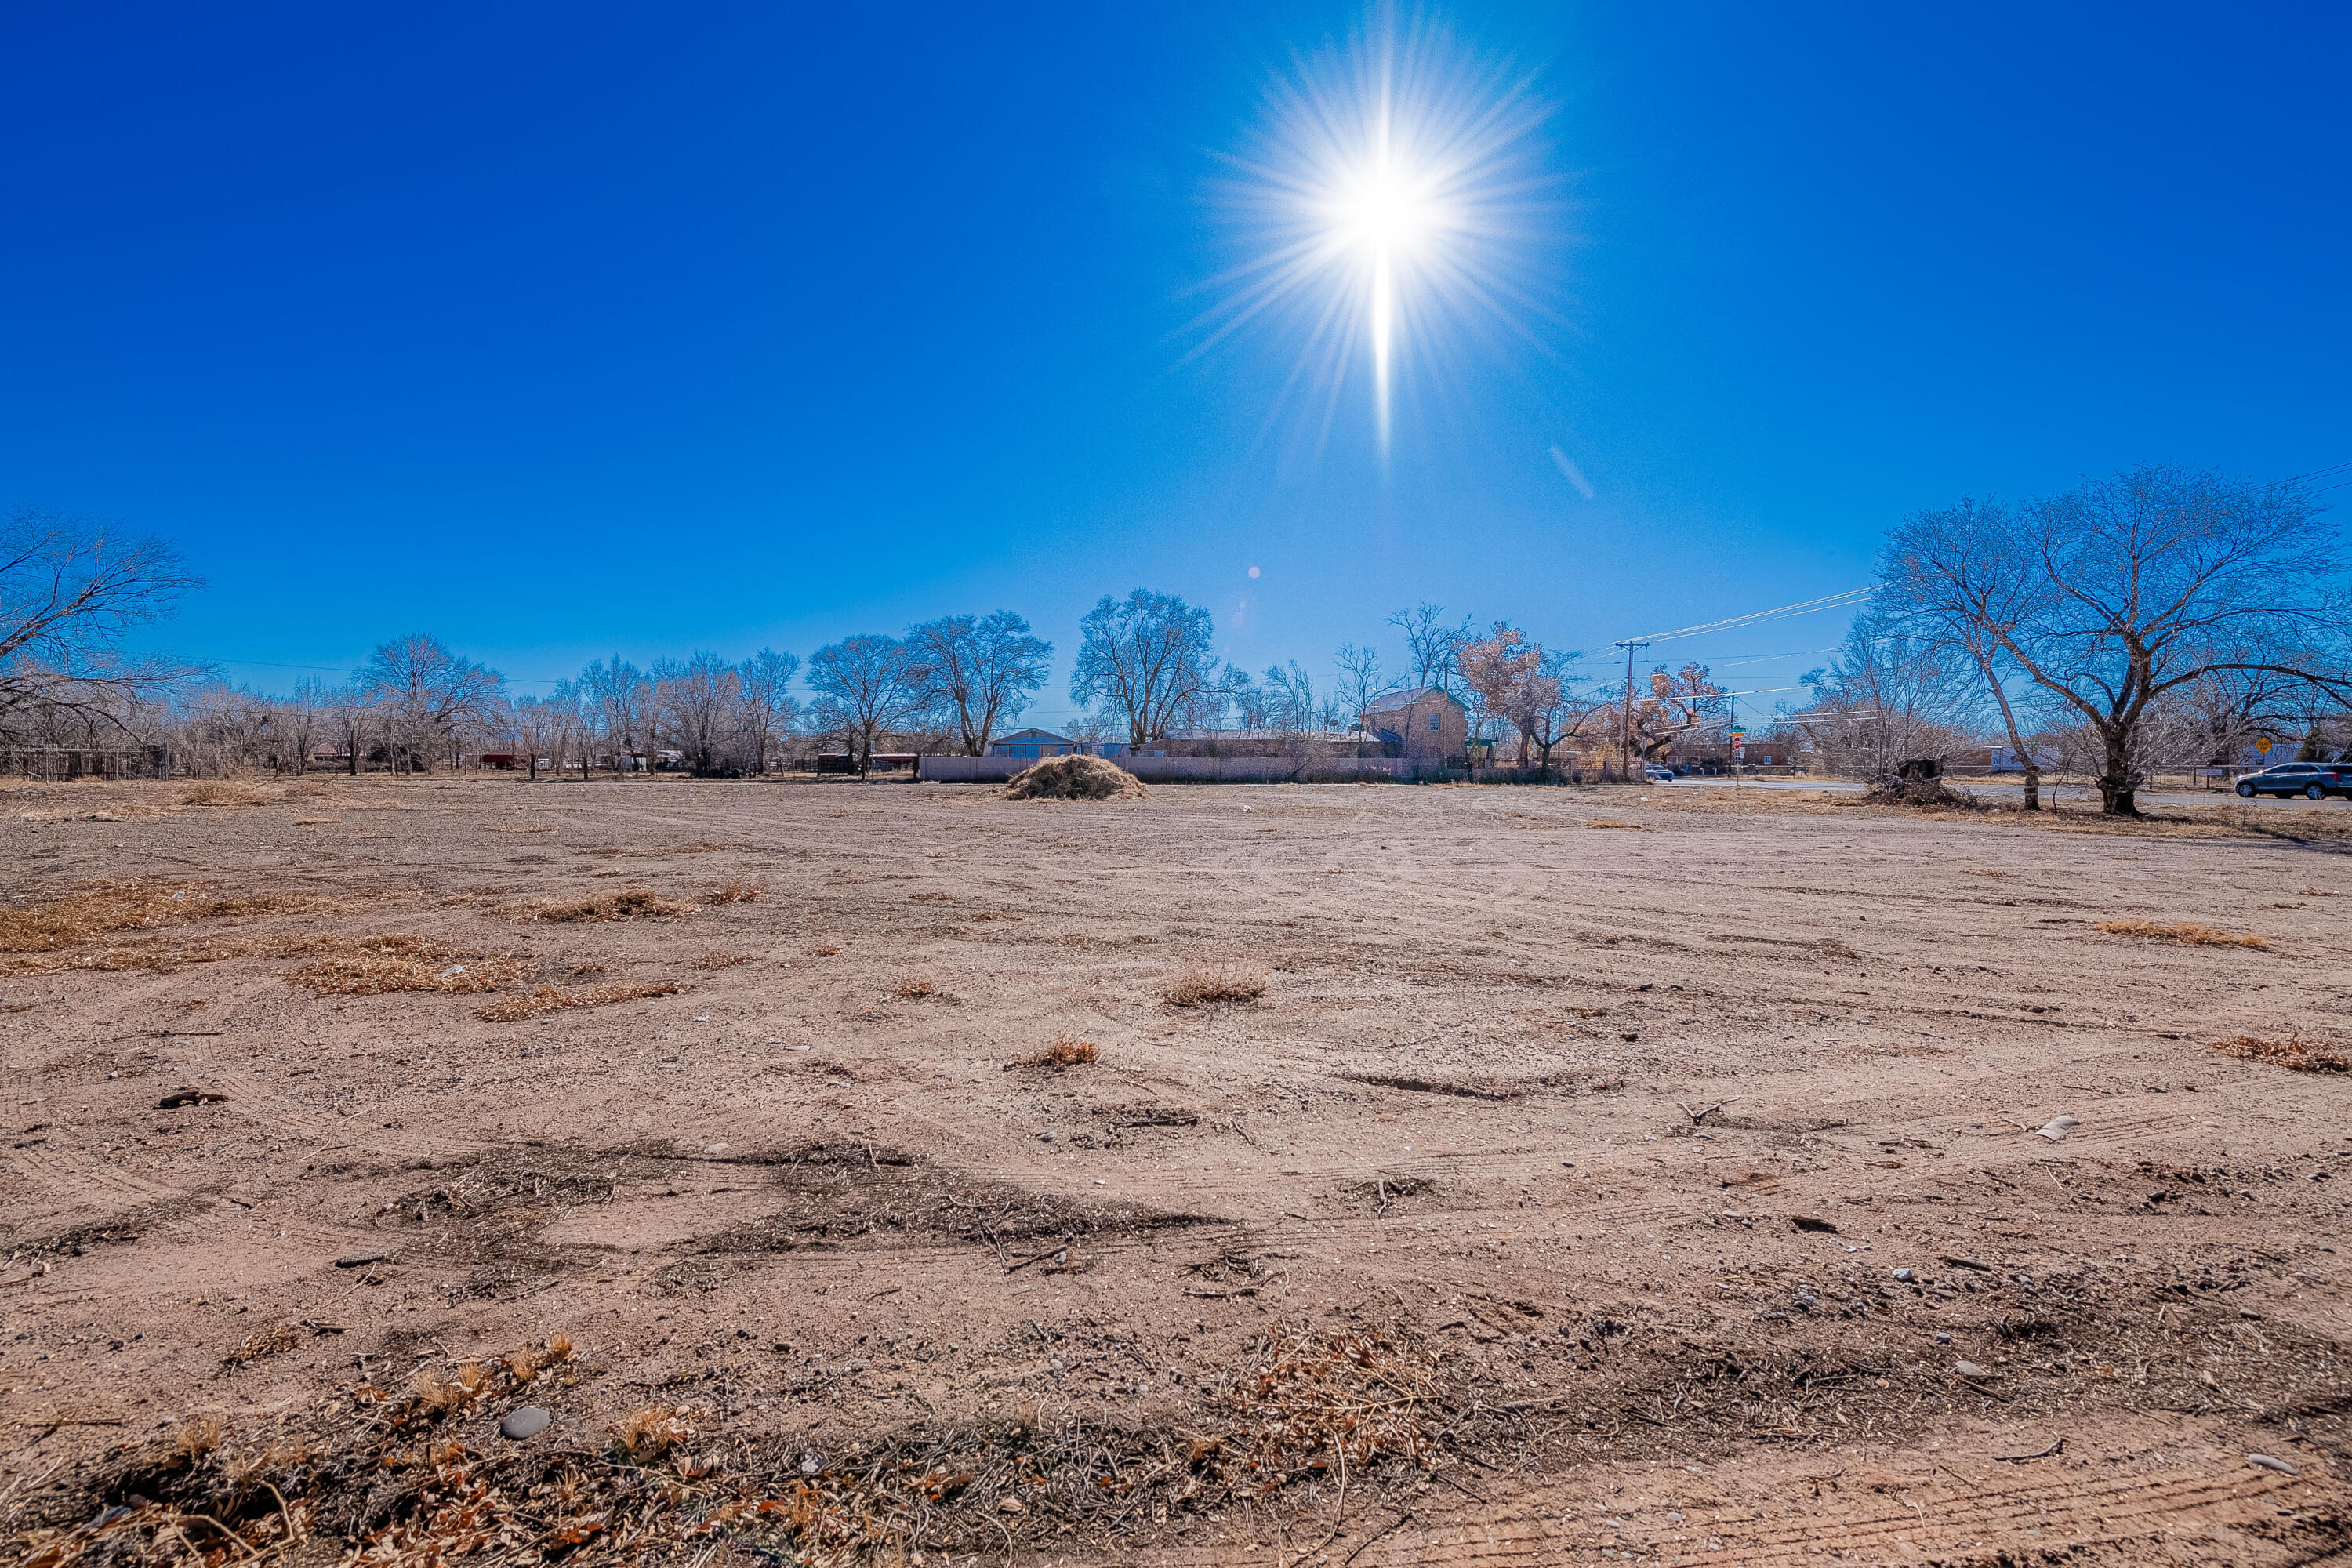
[
  {"x": 915, "y": 990},
  {"x": 1200, "y": 986},
  {"x": 375, "y": 966},
  {"x": 1606, "y": 822},
  {"x": 389, "y": 1475},
  {"x": 628, "y": 904},
  {"x": 222, "y": 792},
  {"x": 2190, "y": 934},
  {"x": 2294, "y": 1053},
  {"x": 97, "y": 910},
  {"x": 716, "y": 959},
  {"x": 1066, "y": 1051},
  {"x": 739, "y": 890},
  {"x": 548, "y": 999}
]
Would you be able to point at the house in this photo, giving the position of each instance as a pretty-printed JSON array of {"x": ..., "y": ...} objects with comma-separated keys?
[
  {"x": 1999, "y": 760},
  {"x": 1032, "y": 743},
  {"x": 1427, "y": 721}
]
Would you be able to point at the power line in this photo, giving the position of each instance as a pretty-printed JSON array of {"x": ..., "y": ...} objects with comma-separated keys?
[{"x": 1829, "y": 601}]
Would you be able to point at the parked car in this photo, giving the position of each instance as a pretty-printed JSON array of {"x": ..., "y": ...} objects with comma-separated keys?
[
  {"x": 2316, "y": 780},
  {"x": 1657, "y": 774}
]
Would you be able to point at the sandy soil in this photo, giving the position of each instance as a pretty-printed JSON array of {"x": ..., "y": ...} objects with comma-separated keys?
[{"x": 1546, "y": 1206}]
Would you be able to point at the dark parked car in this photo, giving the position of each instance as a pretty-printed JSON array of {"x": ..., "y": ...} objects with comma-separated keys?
[{"x": 2316, "y": 780}]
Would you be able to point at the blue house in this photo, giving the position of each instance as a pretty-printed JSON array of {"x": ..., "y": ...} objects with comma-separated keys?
[{"x": 1033, "y": 743}]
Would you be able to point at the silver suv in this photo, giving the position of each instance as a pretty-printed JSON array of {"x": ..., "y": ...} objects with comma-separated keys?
[{"x": 2316, "y": 781}]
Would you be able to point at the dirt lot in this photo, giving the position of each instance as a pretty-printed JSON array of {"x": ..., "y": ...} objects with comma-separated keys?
[{"x": 1531, "y": 1177}]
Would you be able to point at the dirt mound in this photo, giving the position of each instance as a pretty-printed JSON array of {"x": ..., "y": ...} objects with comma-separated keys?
[{"x": 1074, "y": 778}]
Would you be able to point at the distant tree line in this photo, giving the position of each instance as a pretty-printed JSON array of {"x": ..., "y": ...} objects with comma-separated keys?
[{"x": 2159, "y": 618}]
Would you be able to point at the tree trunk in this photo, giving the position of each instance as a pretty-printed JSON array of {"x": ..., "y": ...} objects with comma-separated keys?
[
  {"x": 2032, "y": 785},
  {"x": 2116, "y": 792}
]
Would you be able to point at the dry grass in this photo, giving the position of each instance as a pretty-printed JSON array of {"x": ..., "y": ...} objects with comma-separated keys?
[
  {"x": 914, "y": 990},
  {"x": 739, "y": 890},
  {"x": 1066, "y": 1051},
  {"x": 275, "y": 1340},
  {"x": 628, "y": 904},
  {"x": 195, "y": 1437},
  {"x": 1075, "y": 778},
  {"x": 651, "y": 1432},
  {"x": 1606, "y": 822},
  {"x": 1200, "y": 986},
  {"x": 2190, "y": 934},
  {"x": 2294, "y": 1053},
  {"x": 377, "y": 965},
  {"x": 95, "y": 910},
  {"x": 548, "y": 999},
  {"x": 222, "y": 792},
  {"x": 823, "y": 949},
  {"x": 1312, "y": 1404},
  {"x": 716, "y": 959}
]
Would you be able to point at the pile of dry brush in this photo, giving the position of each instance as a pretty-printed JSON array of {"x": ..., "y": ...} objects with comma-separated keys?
[
  {"x": 417, "y": 1477},
  {"x": 1075, "y": 777}
]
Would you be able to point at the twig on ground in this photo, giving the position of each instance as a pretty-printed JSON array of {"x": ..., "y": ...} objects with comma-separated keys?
[
  {"x": 1375, "y": 1535},
  {"x": 2057, "y": 1448}
]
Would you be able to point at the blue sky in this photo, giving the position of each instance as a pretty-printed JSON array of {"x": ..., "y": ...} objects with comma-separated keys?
[{"x": 565, "y": 329}]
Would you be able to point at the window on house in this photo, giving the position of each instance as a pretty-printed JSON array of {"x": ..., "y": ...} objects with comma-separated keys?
[{"x": 1433, "y": 721}]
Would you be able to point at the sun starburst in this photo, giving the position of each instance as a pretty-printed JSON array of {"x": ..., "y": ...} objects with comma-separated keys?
[{"x": 1389, "y": 203}]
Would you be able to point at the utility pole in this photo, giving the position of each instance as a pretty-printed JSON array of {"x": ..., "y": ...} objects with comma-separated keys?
[{"x": 1625, "y": 726}]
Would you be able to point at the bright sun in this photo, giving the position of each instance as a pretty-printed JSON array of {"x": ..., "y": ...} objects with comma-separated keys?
[{"x": 1387, "y": 202}]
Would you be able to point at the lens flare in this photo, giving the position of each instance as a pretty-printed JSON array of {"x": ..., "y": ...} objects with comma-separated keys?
[{"x": 1390, "y": 203}]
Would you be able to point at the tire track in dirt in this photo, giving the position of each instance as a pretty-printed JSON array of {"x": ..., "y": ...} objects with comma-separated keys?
[{"x": 2127, "y": 1521}]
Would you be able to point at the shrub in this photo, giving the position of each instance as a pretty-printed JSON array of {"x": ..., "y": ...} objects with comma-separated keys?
[
  {"x": 1066, "y": 1051},
  {"x": 1199, "y": 986},
  {"x": 739, "y": 890}
]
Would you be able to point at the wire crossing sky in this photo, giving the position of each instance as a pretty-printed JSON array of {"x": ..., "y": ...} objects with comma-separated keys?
[{"x": 568, "y": 332}]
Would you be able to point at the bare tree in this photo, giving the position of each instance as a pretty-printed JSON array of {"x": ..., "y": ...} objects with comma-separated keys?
[
  {"x": 303, "y": 718},
  {"x": 1892, "y": 696},
  {"x": 614, "y": 698},
  {"x": 570, "y": 710},
  {"x": 1432, "y": 645},
  {"x": 867, "y": 686},
  {"x": 426, "y": 696},
  {"x": 351, "y": 719},
  {"x": 699, "y": 701},
  {"x": 1359, "y": 681},
  {"x": 1146, "y": 656},
  {"x": 1242, "y": 695},
  {"x": 1958, "y": 573},
  {"x": 1552, "y": 705},
  {"x": 768, "y": 708},
  {"x": 2129, "y": 589},
  {"x": 981, "y": 669},
  {"x": 540, "y": 724},
  {"x": 71, "y": 590}
]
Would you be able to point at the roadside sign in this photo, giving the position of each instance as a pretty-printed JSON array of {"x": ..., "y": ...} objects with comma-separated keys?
[{"x": 2263, "y": 744}]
